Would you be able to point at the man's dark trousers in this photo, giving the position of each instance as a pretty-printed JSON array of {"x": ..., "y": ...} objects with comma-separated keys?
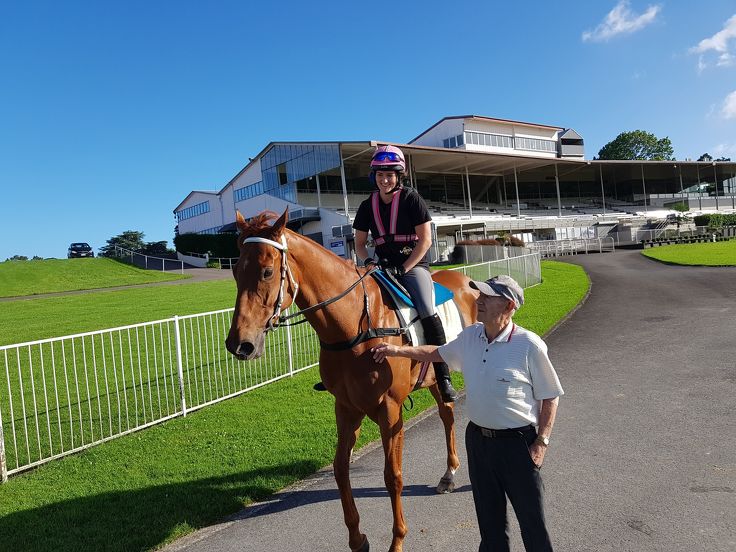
[{"x": 500, "y": 467}]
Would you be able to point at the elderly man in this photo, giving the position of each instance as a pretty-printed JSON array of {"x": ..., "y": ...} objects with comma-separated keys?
[{"x": 512, "y": 394}]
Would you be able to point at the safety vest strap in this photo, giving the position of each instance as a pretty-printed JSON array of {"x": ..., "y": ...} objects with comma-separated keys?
[{"x": 383, "y": 236}]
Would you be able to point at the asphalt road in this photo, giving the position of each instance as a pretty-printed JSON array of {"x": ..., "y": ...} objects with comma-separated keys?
[{"x": 643, "y": 454}]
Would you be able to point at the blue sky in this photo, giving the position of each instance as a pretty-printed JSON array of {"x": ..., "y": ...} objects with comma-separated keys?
[{"x": 112, "y": 112}]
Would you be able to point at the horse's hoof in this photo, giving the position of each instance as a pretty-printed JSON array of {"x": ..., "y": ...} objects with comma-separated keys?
[
  {"x": 445, "y": 486},
  {"x": 365, "y": 547}
]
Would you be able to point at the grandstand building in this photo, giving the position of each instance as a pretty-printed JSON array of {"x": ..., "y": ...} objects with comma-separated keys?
[{"x": 480, "y": 177}]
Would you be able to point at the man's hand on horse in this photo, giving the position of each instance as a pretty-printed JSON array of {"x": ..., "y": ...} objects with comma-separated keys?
[{"x": 380, "y": 352}]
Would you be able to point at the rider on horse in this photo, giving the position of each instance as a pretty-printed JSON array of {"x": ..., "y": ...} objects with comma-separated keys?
[{"x": 399, "y": 222}]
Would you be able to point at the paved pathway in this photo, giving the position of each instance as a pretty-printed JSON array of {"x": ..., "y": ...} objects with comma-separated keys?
[
  {"x": 643, "y": 456},
  {"x": 195, "y": 275}
]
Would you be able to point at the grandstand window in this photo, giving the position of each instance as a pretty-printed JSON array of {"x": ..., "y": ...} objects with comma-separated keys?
[
  {"x": 460, "y": 140},
  {"x": 215, "y": 230},
  {"x": 446, "y": 143},
  {"x": 536, "y": 144},
  {"x": 247, "y": 192},
  {"x": 283, "y": 177},
  {"x": 193, "y": 211}
]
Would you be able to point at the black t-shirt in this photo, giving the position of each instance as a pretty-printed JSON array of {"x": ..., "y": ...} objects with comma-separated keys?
[{"x": 412, "y": 212}]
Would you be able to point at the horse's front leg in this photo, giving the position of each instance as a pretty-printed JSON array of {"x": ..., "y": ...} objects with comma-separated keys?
[
  {"x": 392, "y": 435},
  {"x": 447, "y": 415},
  {"x": 348, "y": 428}
]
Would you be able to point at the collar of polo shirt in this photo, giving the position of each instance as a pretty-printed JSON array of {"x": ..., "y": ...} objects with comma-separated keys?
[{"x": 503, "y": 337}]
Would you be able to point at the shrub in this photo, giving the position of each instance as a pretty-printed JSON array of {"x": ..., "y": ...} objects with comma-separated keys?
[{"x": 217, "y": 245}]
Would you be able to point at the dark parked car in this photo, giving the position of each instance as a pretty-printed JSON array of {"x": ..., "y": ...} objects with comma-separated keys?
[{"x": 79, "y": 250}]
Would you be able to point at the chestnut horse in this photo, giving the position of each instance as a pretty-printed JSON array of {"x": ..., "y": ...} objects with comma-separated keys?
[{"x": 277, "y": 267}]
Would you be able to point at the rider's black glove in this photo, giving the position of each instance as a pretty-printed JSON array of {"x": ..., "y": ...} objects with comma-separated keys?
[
  {"x": 397, "y": 270},
  {"x": 369, "y": 262}
]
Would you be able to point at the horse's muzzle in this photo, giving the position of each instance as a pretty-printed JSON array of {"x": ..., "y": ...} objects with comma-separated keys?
[{"x": 244, "y": 350}]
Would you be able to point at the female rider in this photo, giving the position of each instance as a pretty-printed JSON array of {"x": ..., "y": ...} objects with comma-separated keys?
[{"x": 399, "y": 222}]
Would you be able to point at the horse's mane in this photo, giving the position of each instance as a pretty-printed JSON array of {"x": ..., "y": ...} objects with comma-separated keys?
[{"x": 257, "y": 223}]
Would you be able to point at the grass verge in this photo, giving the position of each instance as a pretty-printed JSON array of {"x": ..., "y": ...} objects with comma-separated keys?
[
  {"x": 695, "y": 254},
  {"x": 20, "y": 278},
  {"x": 144, "y": 490}
]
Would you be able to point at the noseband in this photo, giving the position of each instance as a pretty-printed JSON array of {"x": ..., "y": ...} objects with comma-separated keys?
[{"x": 285, "y": 269}]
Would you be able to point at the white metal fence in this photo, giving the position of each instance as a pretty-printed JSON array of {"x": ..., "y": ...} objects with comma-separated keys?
[
  {"x": 63, "y": 395},
  {"x": 147, "y": 261},
  {"x": 556, "y": 248}
]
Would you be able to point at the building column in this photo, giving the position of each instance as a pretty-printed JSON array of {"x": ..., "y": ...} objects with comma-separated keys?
[
  {"x": 344, "y": 183},
  {"x": 715, "y": 182},
  {"x": 516, "y": 185},
  {"x": 319, "y": 196},
  {"x": 644, "y": 187},
  {"x": 557, "y": 185},
  {"x": 470, "y": 199},
  {"x": 603, "y": 192},
  {"x": 700, "y": 192}
]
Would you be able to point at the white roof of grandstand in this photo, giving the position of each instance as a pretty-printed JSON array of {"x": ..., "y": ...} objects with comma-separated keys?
[{"x": 482, "y": 118}]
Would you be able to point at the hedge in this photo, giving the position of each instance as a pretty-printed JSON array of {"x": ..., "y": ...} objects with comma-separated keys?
[
  {"x": 715, "y": 220},
  {"x": 217, "y": 245}
]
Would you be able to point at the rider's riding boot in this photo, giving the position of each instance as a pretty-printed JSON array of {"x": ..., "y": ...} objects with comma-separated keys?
[
  {"x": 434, "y": 334},
  {"x": 319, "y": 386}
]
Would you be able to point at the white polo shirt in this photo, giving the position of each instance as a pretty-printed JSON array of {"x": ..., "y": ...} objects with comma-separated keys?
[{"x": 505, "y": 379}]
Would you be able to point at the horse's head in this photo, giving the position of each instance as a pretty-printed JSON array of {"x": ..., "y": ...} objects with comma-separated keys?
[{"x": 264, "y": 287}]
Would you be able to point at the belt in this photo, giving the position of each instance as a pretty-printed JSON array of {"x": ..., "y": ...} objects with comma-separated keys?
[{"x": 500, "y": 433}]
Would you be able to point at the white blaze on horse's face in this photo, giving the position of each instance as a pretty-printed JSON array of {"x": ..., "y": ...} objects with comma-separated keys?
[{"x": 257, "y": 278}]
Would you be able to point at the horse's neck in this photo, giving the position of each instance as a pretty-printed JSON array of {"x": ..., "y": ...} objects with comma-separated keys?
[{"x": 322, "y": 276}]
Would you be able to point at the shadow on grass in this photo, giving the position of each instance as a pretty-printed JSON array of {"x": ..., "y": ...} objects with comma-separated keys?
[
  {"x": 145, "y": 518},
  {"x": 138, "y": 519}
]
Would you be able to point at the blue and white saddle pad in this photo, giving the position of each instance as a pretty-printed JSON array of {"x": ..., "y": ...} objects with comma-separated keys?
[{"x": 447, "y": 310}]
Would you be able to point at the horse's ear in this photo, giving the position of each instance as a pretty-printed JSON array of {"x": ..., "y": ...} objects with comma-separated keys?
[
  {"x": 278, "y": 226},
  {"x": 240, "y": 222}
]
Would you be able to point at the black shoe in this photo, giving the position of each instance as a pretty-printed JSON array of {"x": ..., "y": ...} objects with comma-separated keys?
[
  {"x": 447, "y": 391},
  {"x": 319, "y": 386},
  {"x": 434, "y": 334}
]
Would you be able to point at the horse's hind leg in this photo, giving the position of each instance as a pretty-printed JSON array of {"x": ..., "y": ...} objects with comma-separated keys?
[
  {"x": 392, "y": 434},
  {"x": 348, "y": 429},
  {"x": 447, "y": 415}
]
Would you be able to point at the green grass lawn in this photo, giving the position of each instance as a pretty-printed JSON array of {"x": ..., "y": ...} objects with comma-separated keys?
[
  {"x": 57, "y": 316},
  {"x": 19, "y": 278},
  {"x": 695, "y": 254},
  {"x": 143, "y": 490}
]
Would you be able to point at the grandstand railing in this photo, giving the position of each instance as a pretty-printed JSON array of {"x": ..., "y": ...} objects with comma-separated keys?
[{"x": 63, "y": 395}]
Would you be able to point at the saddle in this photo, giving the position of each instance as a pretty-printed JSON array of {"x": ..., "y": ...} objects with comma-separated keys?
[
  {"x": 452, "y": 320},
  {"x": 406, "y": 311}
]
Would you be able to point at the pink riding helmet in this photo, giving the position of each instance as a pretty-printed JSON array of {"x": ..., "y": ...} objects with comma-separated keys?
[{"x": 388, "y": 158}]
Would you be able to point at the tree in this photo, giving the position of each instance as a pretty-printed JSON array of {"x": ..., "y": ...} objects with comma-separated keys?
[
  {"x": 130, "y": 239},
  {"x": 638, "y": 145},
  {"x": 705, "y": 157},
  {"x": 17, "y": 258}
]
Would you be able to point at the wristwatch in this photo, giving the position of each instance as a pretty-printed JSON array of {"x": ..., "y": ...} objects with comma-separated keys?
[{"x": 542, "y": 440}]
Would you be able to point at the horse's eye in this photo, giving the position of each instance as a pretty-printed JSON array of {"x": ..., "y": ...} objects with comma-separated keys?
[{"x": 267, "y": 273}]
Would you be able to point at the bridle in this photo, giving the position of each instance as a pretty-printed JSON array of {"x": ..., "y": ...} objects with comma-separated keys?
[{"x": 285, "y": 270}]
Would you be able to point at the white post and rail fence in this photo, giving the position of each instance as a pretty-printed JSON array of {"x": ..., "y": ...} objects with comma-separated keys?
[{"x": 63, "y": 395}]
